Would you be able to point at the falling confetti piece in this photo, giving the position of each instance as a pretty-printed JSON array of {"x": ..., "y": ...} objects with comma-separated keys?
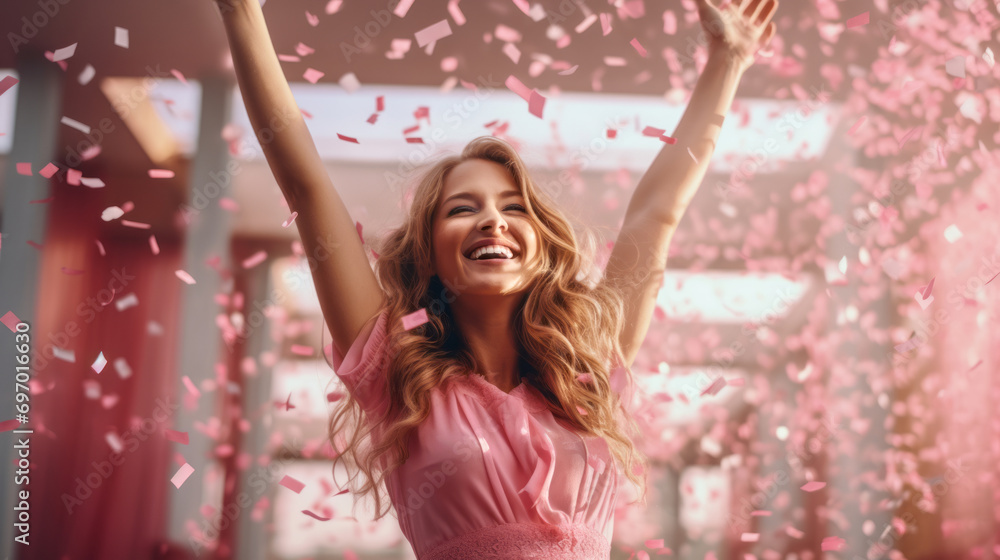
[
  {"x": 88, "y": 74},
  {"x": 136, "y": 225},
  {"x": 536, "y": 104},
  {"x": 99, "y": 363},
  {"x": 48, "y": 171},
  {"x": 955, "y": 67},
  {"x": 255, "y": 259},
  {"x": 750, "y": 537},
  {"x": 639, "y": 48},
  {"x": 312, "y": 75},
  {"x": 833, "y": 543},
  {"x": 121, "y": 37},
  {"x": 182, "y": 475},
  {"x": 347, "y": 138},
  {"x": 813, "y": 486},
  {"x": 175, "y": 436},
  {"x": 64, "y": 53},
  {"x": 6, "y": 83},
  {"x": 858, "y": 20},
  {"x": 184, "y": 276},
  {"x": 161, "y": 174},
  {"x": 8, "y": 425},
  {"x": 314, "y": 516},
  {"x": 952, "y": 233},
  {"x": 75, "y": 124},
  {"x": 190, "y": 386},
  {"x": 349, "y": 82},
  {"x": 290, "y": 219},
  {"x": 153, "y": 245},
  {"x": 433, "y": 33},
  {"x": 292, "y": 484},
  {"x": 415, "y": 319},
  {"x": 10, "y": 320}
]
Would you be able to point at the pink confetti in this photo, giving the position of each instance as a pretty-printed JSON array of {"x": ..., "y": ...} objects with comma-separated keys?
[
  {"x": 302, "y": 350},
  {"x": 290, "y": 219},
  {"x": 515, "y": 85},
  {"x": 813, "y": 486},
  {"x": 654, "y": 543},
  {"x": 507, "y": 34},
  {"x": 347, "y": 138},
  {"x": 312, "y": 19},
  {"x": 314, "y": 516},
  {"x": 833, "y": 543},
  {"x": 184, "y": 276},
  {"x": 99, "y": 363},
  {"x": 455, "y": 12},
  {"x": 73, "y": 177},
  {"x": 8, "y": 425},
  {"x": 857, "y": 125},
  {"x": 177, "y": 437},
  {"x": 536, "y": 104},
  {"x": 312, "y": 75},
  {"x": 177, "y": 74},
  {"x": 415, "y": 319},
  {"x": 24, "y": 168},
  {"x": 48, "y": 171},
  {"x": 605, "y": 23},
  {"x": 182, "y": 475},
  {"x": 161, "y": 174},
  {"x": 10, "y": 320},
  {"x": 190, "y": 386},
  {"x": 639, "y": 48},
  {"x": 153, "y": 245},
  {"x": 304, "y": 50},
  {"x": 858, "y": 20},
  {"x": 292, "y": 484},
  {"x": 750, "y": 537},
  {"x": 433, "y": 33},
  {"x": 652, "y": 131},
  {"x": 254, "y": 259},
  {"x": 137, "y": 225}
]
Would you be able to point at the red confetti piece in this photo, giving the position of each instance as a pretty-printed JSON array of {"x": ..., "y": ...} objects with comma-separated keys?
[
  {"x": 10, "y": 320},
  {"x": 42, "y": 201},
  {"x": 380, "y": 103},
  {"x": 292, "y": 484},
  {"x": 536, "y": 104},
  {"x": 414, "y": 140},
  {"x": 347, "y": 138},
  {"x": 314, "y": 516},
  {"x": 8, "y": 425},
  {"x": 6, "y": 83},
  {"x": 653, "y": 131},
  {"x": 24, "y": 168}
]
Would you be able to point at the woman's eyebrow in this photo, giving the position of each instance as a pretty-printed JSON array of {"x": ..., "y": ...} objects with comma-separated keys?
[{"x": 470, "y": 196}]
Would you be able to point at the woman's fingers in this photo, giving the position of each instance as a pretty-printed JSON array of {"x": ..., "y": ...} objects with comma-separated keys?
[
  {"x": 765, "y": 39},
  {"x": 765, "y": 16}
]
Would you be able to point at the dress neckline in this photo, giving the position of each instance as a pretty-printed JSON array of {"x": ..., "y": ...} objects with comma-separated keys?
[{"x": 482, "y": 378}]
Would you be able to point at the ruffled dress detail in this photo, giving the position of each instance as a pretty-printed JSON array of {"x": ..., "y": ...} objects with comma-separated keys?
[{"x": 491, "y": 475}]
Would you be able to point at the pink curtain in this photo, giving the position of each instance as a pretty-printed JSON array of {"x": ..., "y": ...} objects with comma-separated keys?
[{"x": 87, "y": 501}]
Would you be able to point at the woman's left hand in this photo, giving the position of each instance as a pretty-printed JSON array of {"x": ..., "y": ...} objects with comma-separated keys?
[{"x": 739, "y": 28}]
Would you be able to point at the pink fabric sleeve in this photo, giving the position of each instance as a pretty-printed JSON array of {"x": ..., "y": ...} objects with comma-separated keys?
[{"x": 363, "y": 370}]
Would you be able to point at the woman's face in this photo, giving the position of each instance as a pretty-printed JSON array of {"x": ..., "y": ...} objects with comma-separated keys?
[{"x": 480, "y": 201}]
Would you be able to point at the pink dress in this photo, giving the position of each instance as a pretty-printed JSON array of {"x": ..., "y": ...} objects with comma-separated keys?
[{"x": 490, "y": 475}]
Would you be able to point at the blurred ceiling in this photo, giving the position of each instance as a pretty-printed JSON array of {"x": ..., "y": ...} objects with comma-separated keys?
[{"x": 188, "y": 36}]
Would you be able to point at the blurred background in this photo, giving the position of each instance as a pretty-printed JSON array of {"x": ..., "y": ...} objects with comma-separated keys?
[{"x": 836, "y": 269}]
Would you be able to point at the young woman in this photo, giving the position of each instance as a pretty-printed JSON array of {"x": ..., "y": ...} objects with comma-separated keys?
[{"x": 498, "y": 426}]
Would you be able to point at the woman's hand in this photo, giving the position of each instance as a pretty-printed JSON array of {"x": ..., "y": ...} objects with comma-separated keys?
[{"x": 739, "y": 28}]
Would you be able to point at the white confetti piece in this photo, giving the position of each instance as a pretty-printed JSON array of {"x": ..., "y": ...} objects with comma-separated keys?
[
  {"x": 955, "y": 67},
  {"x": 123, "y": 369},
  {"x": 64, "y": 53},
  {"x": 254, "y": 259},
  {"x": 75, "y": 124},
  {"x": 402, "y": 8},
  {"x": 114, "y": 442},
  {"x": 350, "y": 82},
  {"x": 290, "y": 219},
  {"x": 87, "y": 75},
  {"x": 924, "y": 303},
  {"x": 842, "y": 265},
  {"x": 184, "y": 276},
  {"x": 99, "y": 363},
  {"x": 121, "y": 37},
  {"x": 92, "y": 182},
  {"x": 124, "y": 302},
  {"x": 988, "y": 57},
  {"x": 112, "y": 213},
  {"x": 182, "y": 475},
  {"x": 64, "y": 355},
  {"x": 952, "y": 233}
]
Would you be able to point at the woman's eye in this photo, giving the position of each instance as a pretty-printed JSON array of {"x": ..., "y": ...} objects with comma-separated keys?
[{"x": 458, "y": 208}]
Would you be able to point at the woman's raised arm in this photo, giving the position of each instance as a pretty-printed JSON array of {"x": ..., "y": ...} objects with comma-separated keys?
[{"x": 348, "y": 292}]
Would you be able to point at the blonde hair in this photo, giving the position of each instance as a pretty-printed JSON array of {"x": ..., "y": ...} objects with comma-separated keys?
[{"x": 563, "y": 326}]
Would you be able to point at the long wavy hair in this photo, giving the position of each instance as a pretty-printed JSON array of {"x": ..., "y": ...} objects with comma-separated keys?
[{"x": 566, "y": 325}]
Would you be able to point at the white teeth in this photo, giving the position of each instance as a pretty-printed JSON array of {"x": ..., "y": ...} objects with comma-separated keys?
[{"x": 499, "y": 249}]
